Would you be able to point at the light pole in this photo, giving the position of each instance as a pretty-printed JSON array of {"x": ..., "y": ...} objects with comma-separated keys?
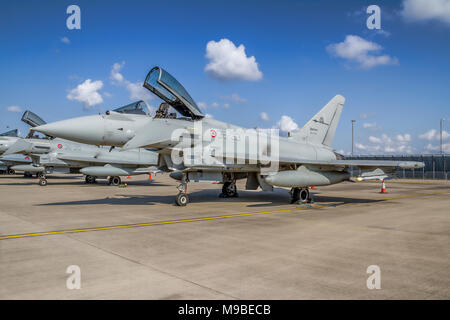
[
  {"x": 353, "y": 134},
  {"x": 442, "y": 125}
]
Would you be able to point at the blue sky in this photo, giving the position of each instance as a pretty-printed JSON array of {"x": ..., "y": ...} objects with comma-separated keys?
[{"x": 305, "y": 52}]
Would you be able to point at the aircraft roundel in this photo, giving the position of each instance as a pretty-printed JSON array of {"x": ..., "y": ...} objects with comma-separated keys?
[
  {"x": 60, "y": 146},
  {"x": 213, "y": 133}
]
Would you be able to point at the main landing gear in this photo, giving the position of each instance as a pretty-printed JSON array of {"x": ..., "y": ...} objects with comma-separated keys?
[
  {"x": 229, "y": 190},
  {"x": 115, "y": 181},
  {"x": 90, "y": 179},
  {"x": 182, "y": 198},
  {"x": 300, "y": 195}
]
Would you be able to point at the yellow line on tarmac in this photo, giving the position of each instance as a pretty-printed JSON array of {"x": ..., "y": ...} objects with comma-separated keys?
[
  {"x": 197, "y": 219},
  {"x": 144, "y": 224}
]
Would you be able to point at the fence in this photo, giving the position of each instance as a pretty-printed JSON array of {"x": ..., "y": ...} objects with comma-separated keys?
[{"x": 436, "y": 165}]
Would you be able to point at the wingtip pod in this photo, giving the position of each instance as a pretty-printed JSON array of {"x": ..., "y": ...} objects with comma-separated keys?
[{"x": 411, "y": 165}]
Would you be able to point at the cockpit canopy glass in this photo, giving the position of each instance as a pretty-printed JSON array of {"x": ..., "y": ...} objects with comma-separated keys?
[
  {"x": 138, "y": 107},
  {"x": 32, "y": 119},
  {"x": 170, "y": 90},
  {"x": 11, "y": 133}
]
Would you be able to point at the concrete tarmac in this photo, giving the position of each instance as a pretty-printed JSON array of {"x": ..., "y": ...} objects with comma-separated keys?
[{"x": 134, "y": 243}]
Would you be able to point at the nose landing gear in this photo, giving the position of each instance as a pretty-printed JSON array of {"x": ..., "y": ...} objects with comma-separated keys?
[
  {"x": 182, "y": 198},
  {"x": 42, "y": 180}
]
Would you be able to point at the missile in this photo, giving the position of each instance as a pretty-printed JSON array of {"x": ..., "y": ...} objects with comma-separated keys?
[
  {"x": 28, "y": 168},
  {"x": 304, "y": 177}
]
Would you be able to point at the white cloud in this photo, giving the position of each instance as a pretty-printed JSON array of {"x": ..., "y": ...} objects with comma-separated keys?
[
  {"x": 422, "y": 10},
  {"x": 361, "y": 146},
  {"x": 209, "y": 116},
  {"x": 65, "y": 40},
  {"x": 367, "y": 125},
  {"x": 214, "y": 105},
  {"x": 226, "y": 105},
  {"x": 136, "y": 90},
  {"x": 388, "y": 145},
  {"x": 202, "y": 105},
  {"x": 360, "y": 51},
  {"x": 236, "y": 98},
  {"x": 115, "y": 74},
  {"x": 433, "y": 134},
  {"x": 403, "y": 138},
  {"x": 14, "y": 109},
  {"x": 87, "y": 93},
  {"x": 431, "y": 147},
  {"x": 366, "y": 115},
  {"x": 286, "y": 124},
  {"x": 228, "y": 62},
  {"x": 264, "y": 116}
]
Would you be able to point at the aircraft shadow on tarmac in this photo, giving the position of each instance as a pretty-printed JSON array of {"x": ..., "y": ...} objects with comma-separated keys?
[
  {"x": 53, "y": 180},
  {"x": 262, "y": 199}
]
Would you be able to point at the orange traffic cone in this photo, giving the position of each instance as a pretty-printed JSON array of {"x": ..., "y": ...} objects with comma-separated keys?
[
  {"x": 383, "y": 187},
  {"x": 313, "y": 187},
  {"x": 149, "y": 176}
]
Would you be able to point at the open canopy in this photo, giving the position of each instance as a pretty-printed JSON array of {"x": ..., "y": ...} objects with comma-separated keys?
[
  {"x": 138, "y": 107},
  {"x": 170, "y": 90},
  {"x": 32, "y": 119}
]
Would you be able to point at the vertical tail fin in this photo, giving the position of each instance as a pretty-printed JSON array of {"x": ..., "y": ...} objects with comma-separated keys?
[{"x": 322, "y": 127}]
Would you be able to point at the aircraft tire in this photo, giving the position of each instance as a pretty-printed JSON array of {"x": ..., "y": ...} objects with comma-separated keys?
[
  {"x": 115, "y": 181},
  {"x": 11, "y": 171},
  {"x": 304, "y": 195},
  {"x": 42, "y": 182},
  {"x": 229, "y": 189},
  {"x": 182, "y": 199},
  {"x": 90, "y": 179},
  {"x": 295, "y": 195}
]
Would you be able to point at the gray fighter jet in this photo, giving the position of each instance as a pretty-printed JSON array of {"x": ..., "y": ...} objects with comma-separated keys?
[
  {"x": 49, "y": 155},
  {"x": 197, "y": 148},
  {"x": 6, "y": 140}
]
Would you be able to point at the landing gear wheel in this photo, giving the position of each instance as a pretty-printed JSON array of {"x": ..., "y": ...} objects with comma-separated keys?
[
  {"x": 90, "y": 179},
  {"x": 300, "y": 195},
  {"x": 114, "y": 181},
  {"x": 229, "y": 190},
  {"x": 11, "y": 171},
  {"x": 42, "y": 182},
  {"x": 182, "y": 199},
  {"x": 304, "y": 195},
  {"x": 295, "y": 192},
  {"x": 40, "y": 175}
]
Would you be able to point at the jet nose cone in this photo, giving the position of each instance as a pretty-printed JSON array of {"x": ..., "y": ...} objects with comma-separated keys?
[{"x": 89, "y": 129}]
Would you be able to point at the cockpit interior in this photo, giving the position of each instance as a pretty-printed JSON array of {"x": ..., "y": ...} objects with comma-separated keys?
[{"x": 166, "y": 87}]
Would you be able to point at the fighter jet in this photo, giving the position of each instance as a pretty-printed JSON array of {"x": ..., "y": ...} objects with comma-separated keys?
[
  {"x": 49, "y": 155},
  {"x": 197, "y": 148},
  {"x": 6, "y": 140}
]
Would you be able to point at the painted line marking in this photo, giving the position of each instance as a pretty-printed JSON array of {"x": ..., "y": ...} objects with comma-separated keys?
[{"x": 127, "y": 226}]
